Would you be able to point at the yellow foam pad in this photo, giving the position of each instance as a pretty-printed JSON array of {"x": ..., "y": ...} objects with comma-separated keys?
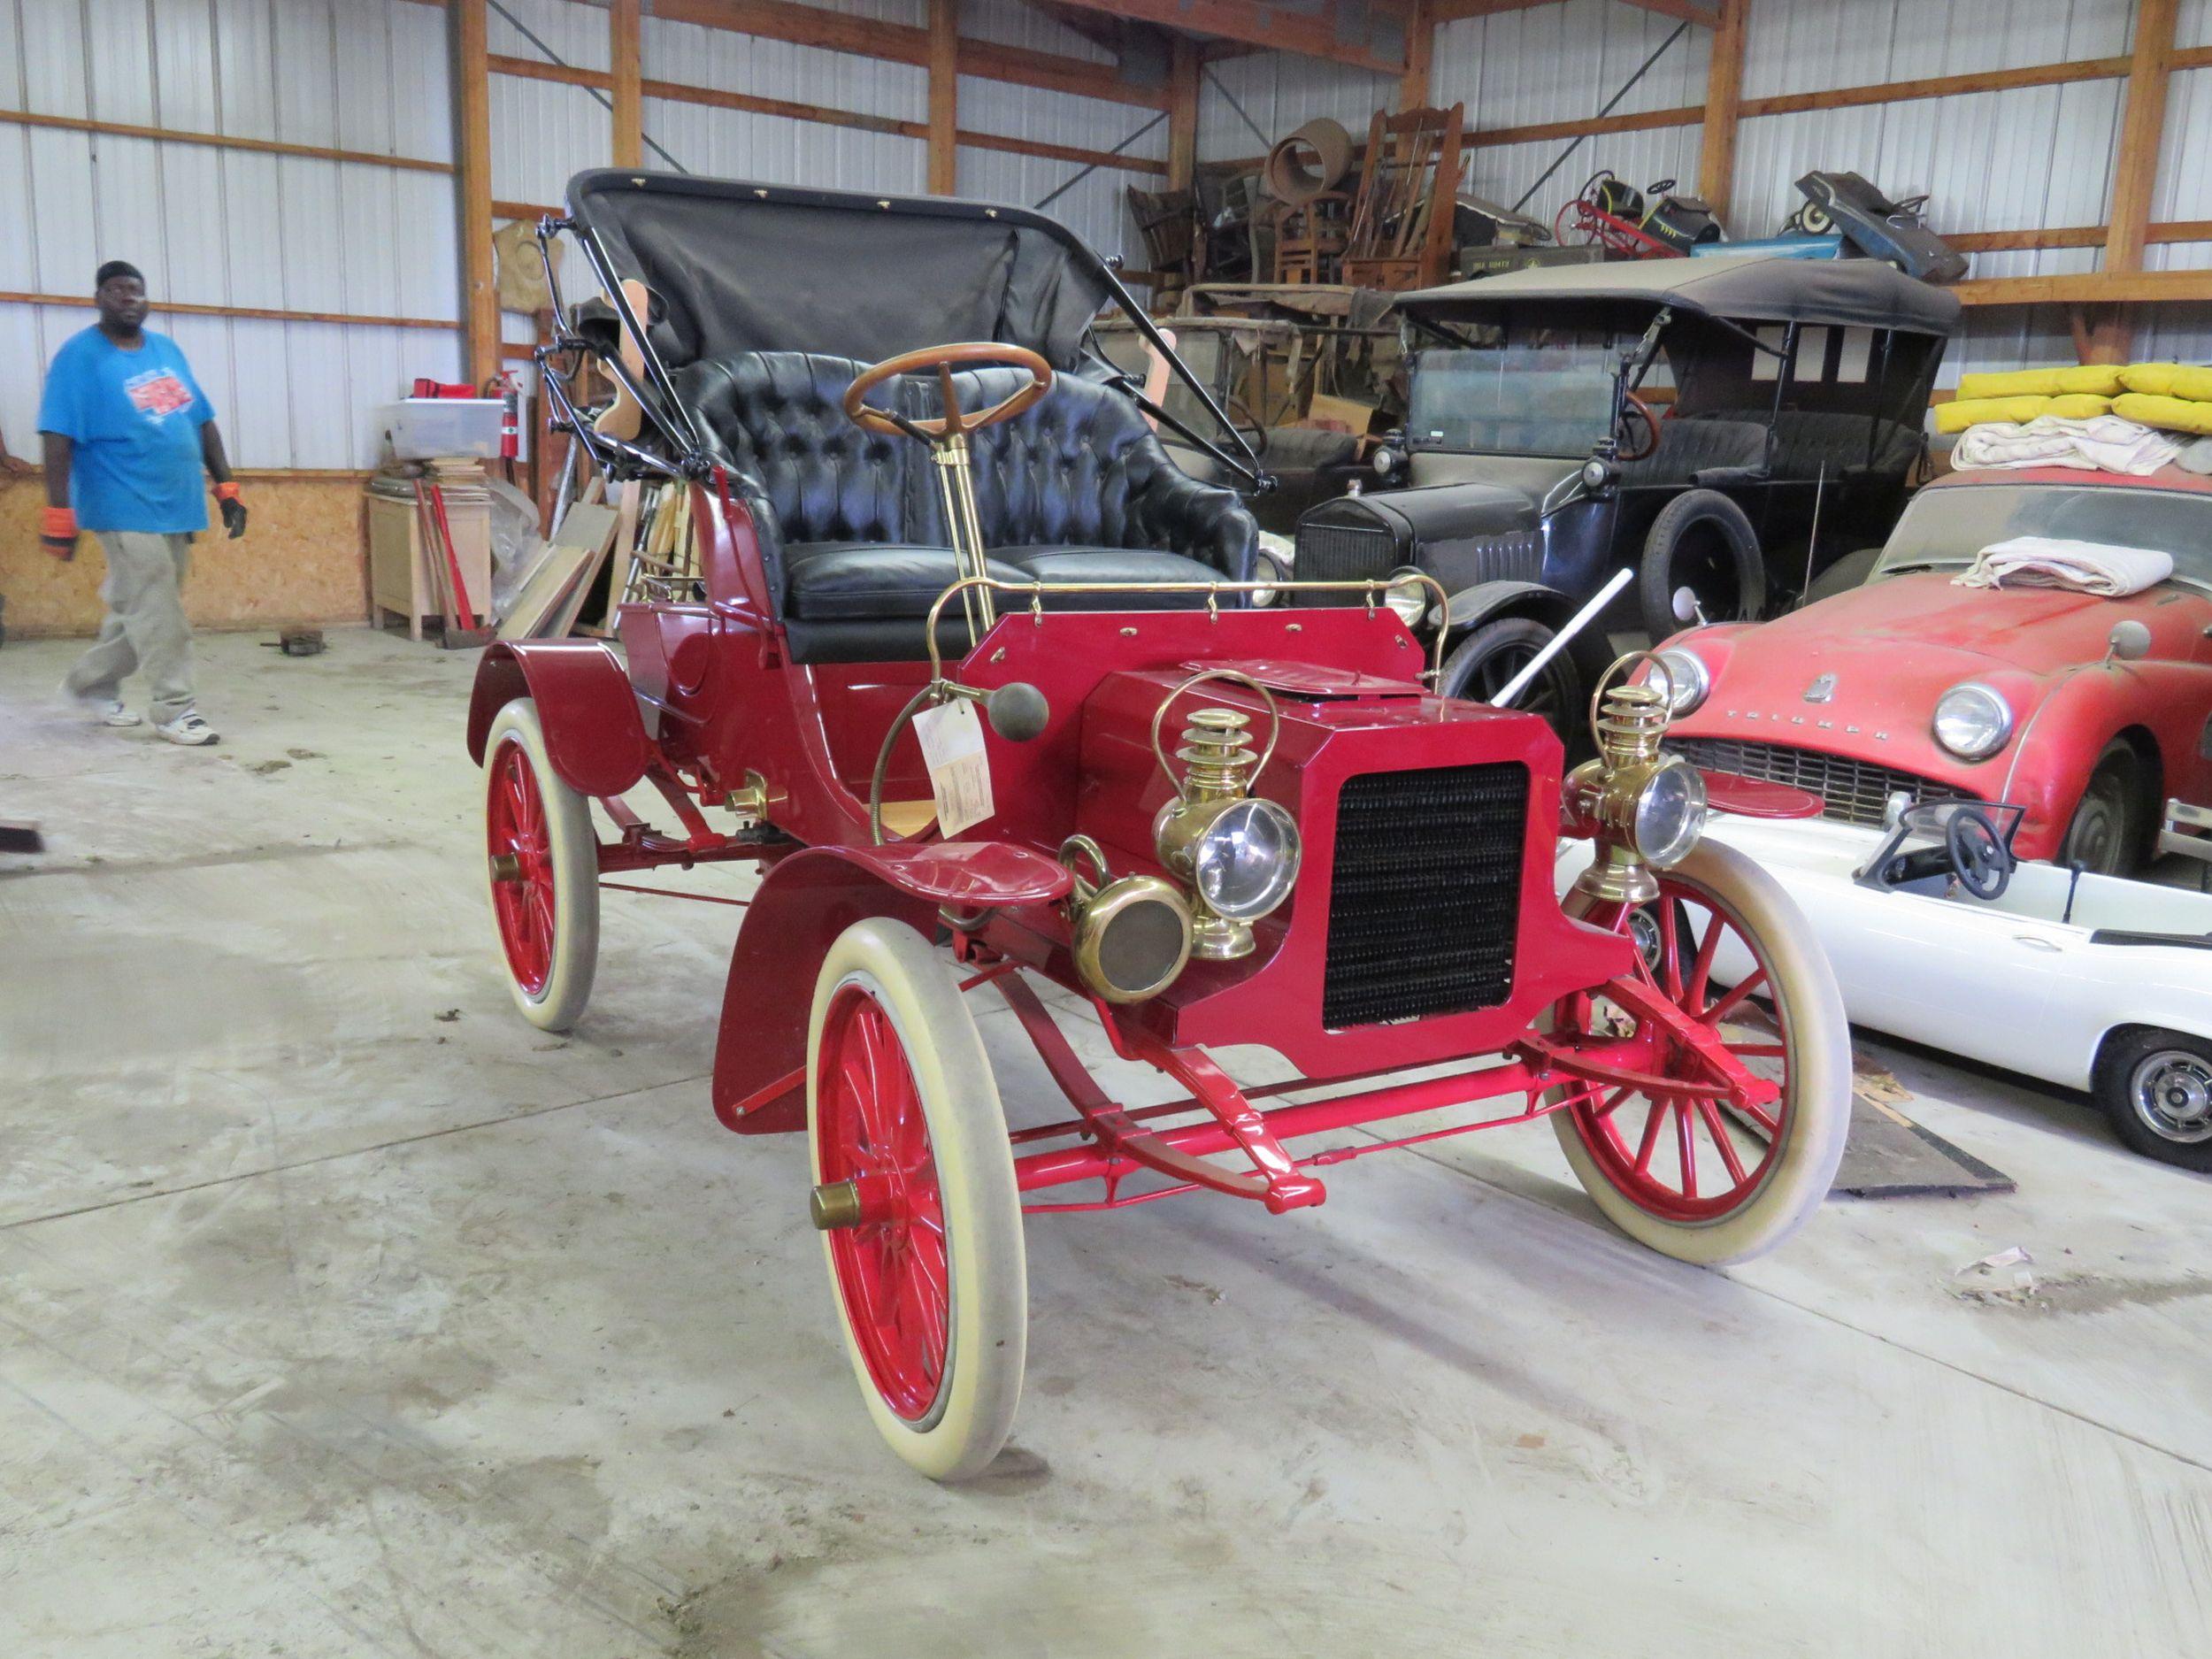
[
  {"x": 2095, "y": 380},
  {"x": 2012, "y": 383},
  {"x": 2168, "y": 414},
  {"x": 1962, "y": 412},
  {"x": 2079, "y": 406},
  {"x": 2169, "y": 380}
]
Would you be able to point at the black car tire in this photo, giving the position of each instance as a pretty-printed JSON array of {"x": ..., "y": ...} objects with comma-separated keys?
[
  {"x": 2152, "y": 1083},
  {"x": 1703, "y": 541},
  {"x": 2108, "y": 833},
  {"x": 1490, "y": 654}
]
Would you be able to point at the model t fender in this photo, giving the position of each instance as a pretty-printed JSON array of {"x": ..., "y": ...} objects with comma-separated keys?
[{"x": 593, "y": 735}]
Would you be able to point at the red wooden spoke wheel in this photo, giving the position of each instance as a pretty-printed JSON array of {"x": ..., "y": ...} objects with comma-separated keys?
[
  {"x": 891, "y": 1267},
  {"x": 541, "y": 863},
  {"x": 523, "y": 901},
  {"x": 915, "y": 1195},
  {"x": 1728, "y": 1134}
]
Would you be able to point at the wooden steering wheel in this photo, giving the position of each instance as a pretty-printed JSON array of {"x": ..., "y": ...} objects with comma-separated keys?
[
  {"x": 941, "y": 358},
  {"x": 1641, "y": 410}
]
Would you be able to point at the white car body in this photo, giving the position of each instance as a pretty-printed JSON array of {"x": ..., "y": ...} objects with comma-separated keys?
[{"x": 2008, "y": 983}]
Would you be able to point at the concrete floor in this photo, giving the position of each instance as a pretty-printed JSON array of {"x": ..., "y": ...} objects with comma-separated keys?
[{"x": 342, "y": 1313}]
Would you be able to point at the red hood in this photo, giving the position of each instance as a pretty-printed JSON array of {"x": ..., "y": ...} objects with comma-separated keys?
[{"x": 1894, "y": 647}]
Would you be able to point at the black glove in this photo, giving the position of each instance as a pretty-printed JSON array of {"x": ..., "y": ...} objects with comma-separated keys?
[{"x": 234, "y": 518}]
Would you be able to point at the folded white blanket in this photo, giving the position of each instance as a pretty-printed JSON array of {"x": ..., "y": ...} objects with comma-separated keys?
[
  {"x": 2196, "y": 456},
  {"x": 2105, "y": 443},
  {"x": 2089, "y": 567}
]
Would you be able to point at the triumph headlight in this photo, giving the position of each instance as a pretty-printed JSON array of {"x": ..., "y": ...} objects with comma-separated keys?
[
  {"x": 1669, "y": 815},
  {"x": 1410, "y": 601},
  {"x": 1686, "y": 682},
  {"x": 1245, "y": 863},
  {"x": 1972, "y": 721}
]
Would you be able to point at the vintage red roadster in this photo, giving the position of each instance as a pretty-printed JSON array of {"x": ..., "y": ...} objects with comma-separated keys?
[{"x": 971, "y": 672}]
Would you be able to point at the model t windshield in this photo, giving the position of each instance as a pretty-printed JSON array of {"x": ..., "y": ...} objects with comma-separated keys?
[
  {"x": 1946, "y": 528},
  {"x": 1551, "y": 395}
]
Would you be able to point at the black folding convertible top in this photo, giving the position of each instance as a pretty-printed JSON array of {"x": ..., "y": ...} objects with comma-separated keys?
[
  {"x": 737, "y": 266},
  {"x": 1737, "y": 287}
]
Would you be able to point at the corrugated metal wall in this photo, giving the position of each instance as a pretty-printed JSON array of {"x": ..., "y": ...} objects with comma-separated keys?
[
  {"x": 2028, "y": 157},
  {"x": 232, "y": 228}
]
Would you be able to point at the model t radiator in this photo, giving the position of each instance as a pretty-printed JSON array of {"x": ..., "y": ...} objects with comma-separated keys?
[
  {"x": 1343, "y": 553},
  {"x": 1425, "y": 899}
]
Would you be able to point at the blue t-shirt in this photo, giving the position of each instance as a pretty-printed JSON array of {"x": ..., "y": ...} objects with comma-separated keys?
[{"x": 135, "y": 418}]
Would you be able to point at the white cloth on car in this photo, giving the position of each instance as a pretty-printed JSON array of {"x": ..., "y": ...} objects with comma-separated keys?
[
  {"x": 2197, "y": 456},
  {"x": 2105, "y": 443},
  {"x": 2089, "y": 567}
]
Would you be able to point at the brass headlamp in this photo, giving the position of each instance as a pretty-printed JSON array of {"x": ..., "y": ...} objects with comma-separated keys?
[
  {"x": 1133, "y": 933},
  {"x": 1237, "y": 852},
  {"x": 1646, "y": 808}
]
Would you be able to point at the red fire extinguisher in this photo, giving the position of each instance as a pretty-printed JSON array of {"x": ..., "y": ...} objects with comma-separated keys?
[{"x": 510, "y": 418}]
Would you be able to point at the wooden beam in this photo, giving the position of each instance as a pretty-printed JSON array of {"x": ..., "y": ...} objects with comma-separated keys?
[
  {"x": 1413, "y": 86},
  {"x": 182, "y": 308},
  {"x": 1641, "y": 120},
  {"x": 2071, "y": 237},
  {"x": 2094, "y": 287},
  {"x": 1333, "y": 31},
  {"x": 2135, "y": 172},
  {"x": 470, "y": 74},
  {"x": 625, "y": 49},
  {"x": 532, "y": 210},
  {"x": 1938, "y": 87},
  {"x": 903, "y": 43},
  {"x": 1184, "y": 64},
  {"x": 538, "y": 69},
  {"x": 1723, "y": 108},
  {"x": 1688, "y": 11},
  {"x": 222, "y": 141},
  {"x": 944, "y": 97}
]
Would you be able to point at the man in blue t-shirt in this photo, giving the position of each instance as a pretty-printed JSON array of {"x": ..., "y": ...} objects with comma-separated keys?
[{"x": 128, "y": 432}]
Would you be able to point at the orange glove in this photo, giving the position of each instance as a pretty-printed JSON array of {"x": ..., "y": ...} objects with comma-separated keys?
[
  {"x": 234, "y": 511},
  {"x": 57, "y": 532}
]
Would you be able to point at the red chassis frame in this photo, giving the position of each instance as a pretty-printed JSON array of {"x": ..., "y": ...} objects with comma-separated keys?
[{"x": 713, "y": 712}]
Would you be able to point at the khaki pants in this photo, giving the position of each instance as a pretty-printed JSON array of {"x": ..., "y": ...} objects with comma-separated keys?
[{"x": 144, "y": 629}]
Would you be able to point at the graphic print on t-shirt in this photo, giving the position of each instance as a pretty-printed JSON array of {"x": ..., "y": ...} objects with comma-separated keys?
[{"x": 158, "y": 393}]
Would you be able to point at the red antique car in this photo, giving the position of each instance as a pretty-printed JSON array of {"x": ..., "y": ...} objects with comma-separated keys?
[
  {"x": 1913, "y": 686},
  {"x": 1216, "y": 825}
]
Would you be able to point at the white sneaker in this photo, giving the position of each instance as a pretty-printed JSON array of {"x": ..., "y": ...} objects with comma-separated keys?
[
  {"x": 188, "y": 729},
  {"x": 114, "y": 713}
]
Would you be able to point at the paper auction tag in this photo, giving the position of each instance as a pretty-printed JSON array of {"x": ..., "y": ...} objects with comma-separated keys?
[{"x": 959, "y": 771}]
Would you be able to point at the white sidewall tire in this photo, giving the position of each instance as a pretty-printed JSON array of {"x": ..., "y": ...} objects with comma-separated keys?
[
  {"x": 986, "y": 1269},
  {"x": 1819, "y": 1059},
  {"x": 574, "y": 847}
]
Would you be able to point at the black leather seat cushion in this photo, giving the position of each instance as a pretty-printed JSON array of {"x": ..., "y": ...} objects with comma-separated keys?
[
  {"x": 855, "y": 580},
  {"x": 1693, "y": 447},
  {"x": 1110, "y": 565}
]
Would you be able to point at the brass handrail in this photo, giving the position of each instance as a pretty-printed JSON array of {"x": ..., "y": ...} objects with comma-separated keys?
[{"x": 1432, "y": 676}]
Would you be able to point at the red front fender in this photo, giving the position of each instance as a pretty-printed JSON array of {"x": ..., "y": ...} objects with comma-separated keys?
[
  {"x": 804, "y": 900},
  {"x": 593, "y": 734}
]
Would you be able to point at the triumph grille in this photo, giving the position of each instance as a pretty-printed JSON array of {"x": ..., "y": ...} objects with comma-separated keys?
[
  {"x": 1342, "y": 553},
  {"x": 1852, "y": 791},
  {"x": 1425, "y": 901}
]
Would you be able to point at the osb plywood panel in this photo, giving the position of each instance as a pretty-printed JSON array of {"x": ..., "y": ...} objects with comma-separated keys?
[{"x": 299, "y": 561}]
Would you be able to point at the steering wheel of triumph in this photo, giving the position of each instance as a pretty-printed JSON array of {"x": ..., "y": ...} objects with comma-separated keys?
[
  {"x": 1979, "y": 858},
  {"x": 955, "y": 421}
]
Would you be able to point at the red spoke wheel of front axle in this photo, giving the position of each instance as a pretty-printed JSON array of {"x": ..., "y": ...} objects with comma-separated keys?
[
  {"x": 542, "y": 863},
  {"x": 1733, "y": 1007},
  {"x": 904, "y": 1123}
]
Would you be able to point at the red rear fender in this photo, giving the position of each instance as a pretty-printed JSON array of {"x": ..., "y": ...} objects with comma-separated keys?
[{"x": 593, "y": 734}]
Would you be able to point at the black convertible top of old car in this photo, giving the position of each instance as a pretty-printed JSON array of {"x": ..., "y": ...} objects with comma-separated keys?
[
  {"x": 1737, "y": 287},
  {"x": 737, "y": 266}
]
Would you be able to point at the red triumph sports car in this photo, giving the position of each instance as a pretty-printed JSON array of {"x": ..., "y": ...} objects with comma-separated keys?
[{"x": 1911, "y": 685}]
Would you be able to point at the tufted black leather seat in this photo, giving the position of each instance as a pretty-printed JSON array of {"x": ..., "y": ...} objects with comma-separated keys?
[
  {"x": 852, "y": 528},
  {"x": 1703, "y": 450}
]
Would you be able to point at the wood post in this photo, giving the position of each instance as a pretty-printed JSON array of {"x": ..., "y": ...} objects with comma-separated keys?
[
  {"x": 1723, "y": 108},
  {"x": 944, "y": 97},
  {"x": 626, "y": 55},
  {"x": 1183, "y": 63},
  {"x": 2135, "y": 172},
  {"x": 472, "y": 194},
  {"x": 1413, "y": 86}
]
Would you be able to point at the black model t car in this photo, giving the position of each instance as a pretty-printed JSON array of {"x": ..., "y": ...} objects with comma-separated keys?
[{"x": 1730, "y": 424}]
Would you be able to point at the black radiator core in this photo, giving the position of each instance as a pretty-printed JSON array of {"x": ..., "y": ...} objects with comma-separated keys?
[
  {"x": 1342, "y": 553},
  {"x": 1425, "y": 901}
]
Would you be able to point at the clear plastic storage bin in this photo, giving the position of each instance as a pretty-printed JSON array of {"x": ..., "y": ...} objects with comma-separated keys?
[{"x": 423, "y": 429}]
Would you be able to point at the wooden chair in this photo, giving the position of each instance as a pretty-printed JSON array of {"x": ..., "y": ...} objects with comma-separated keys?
[{"x": 1401, "y": 232}]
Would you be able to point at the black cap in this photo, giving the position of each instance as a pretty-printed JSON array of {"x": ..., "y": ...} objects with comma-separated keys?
[{"x": 115, "y": 268}]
